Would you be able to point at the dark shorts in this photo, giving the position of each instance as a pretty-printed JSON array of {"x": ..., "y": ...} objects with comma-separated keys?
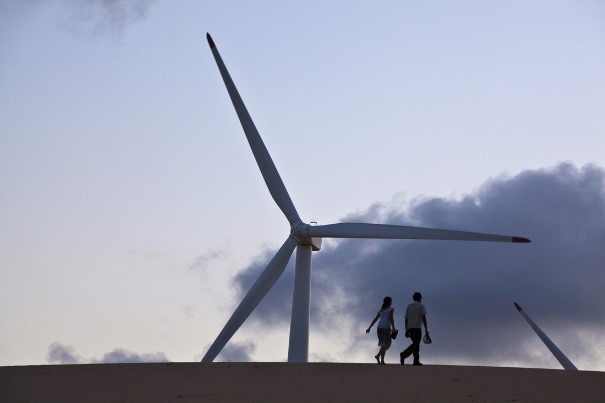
[{"x": 384, "y": 337}]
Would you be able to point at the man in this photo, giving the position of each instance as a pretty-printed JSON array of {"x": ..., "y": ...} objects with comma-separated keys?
[{"x": 415, "y": 316}]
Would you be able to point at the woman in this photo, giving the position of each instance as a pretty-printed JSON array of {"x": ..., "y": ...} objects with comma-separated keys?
[{"x": 386, "y": 323}]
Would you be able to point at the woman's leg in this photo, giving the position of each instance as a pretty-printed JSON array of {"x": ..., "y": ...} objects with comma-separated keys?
[
  {"x": 383, "y": 352},
  {"x": 380, "y": 356}
]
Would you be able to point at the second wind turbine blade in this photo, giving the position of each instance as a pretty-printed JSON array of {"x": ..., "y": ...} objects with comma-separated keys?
[
  {"x": 263, "y": 284},
  {"x": 385, "y": 231},
  {"x": 562, "y": 358},
  {"x": 263, "y": 159}
]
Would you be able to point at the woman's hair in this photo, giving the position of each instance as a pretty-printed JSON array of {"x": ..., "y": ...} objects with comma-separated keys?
[{"x": 386, "y": 302}]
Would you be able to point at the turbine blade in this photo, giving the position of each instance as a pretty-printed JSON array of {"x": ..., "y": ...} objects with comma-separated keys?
[
  {"x": 263, "y": 159},
  {"x": 563, "y": 360},
  {"x": 258, "y": 291},
  {"x": 384, "y": 231}
]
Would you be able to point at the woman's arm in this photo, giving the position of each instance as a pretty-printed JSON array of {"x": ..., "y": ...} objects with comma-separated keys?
[
  {"x": 392, "y": 318},
  {"x": 374, "y": 321}
]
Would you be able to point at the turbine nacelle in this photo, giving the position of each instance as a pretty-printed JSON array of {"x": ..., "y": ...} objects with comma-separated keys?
[{"x": 300, "y": 231}]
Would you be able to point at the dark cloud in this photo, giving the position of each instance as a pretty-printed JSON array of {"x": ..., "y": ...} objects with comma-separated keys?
[
  {"x": 237, "y": 352},
  {"x": 60, "y": 354},
  {"x": 469, "y": 287},
  {"x": 119, "y": 355}
]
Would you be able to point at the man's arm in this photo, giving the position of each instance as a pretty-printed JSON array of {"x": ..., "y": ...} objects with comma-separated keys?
[{"x": 426, "y": 327}]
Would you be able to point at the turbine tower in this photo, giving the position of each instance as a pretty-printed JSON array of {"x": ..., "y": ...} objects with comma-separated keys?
[
  {"x": 305, "y": 238},
  {"x": 563, "y": 360}
]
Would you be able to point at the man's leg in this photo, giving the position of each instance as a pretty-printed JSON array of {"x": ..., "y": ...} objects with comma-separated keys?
[
  {"x": 416, "y": 336},
  {"x": 406, "y": 353},
  {"x": 412, "y": 348}
]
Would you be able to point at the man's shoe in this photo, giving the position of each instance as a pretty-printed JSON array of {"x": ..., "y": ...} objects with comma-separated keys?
[
  {"x": 401, "y": 358},
  {"x": 417, "y": 363}
]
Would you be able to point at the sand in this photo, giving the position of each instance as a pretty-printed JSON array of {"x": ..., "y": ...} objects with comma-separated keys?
[{"x": 197, "y": 382}]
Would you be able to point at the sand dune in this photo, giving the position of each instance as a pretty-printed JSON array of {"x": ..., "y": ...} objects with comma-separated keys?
[{"x": 196, "y": 382}]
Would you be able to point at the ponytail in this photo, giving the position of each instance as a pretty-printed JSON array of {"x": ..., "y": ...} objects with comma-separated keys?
[{"x": 386, "y": 302}]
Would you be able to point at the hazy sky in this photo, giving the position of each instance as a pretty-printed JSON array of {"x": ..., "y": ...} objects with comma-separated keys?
[{"x": 133, "y": 216}]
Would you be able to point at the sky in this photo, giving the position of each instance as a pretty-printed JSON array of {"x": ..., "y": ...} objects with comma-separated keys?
[{"x": 133, "y": 216}]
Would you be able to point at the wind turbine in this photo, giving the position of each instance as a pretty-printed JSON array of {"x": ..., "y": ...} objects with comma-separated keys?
[
  {"x": 305, "y": 238},
  {"x": 563, "y": 360}
]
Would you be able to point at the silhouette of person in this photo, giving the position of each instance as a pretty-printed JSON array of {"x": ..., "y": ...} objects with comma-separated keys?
[
  {"x": 383, "y": 330},
  {"x": 415, "y": 316}
]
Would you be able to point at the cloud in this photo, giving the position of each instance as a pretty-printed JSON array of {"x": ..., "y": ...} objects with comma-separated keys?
[
  {"x": 123, "y": 356},
  {"x": 202, "y": 262},
  {"x": 61, "y": 354},
  {"x": 469, "y": 287},
  {"x": 82, "y": 17},
  {"x": 105, "y": 16},
  {"x": 237, "y": 352}
]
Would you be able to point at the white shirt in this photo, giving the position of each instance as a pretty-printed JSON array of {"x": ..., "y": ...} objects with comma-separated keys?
[
  {"x": 385, "y": 318},
  {"x": 413, "y": 314}
]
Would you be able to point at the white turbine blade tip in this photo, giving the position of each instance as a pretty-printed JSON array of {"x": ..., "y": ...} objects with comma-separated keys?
[{"x": 210, "y": 41}]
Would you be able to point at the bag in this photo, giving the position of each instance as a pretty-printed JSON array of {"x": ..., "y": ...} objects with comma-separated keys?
[
  {"x": 427, "y": 339},
  {"x": 394, "y": 334}
]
